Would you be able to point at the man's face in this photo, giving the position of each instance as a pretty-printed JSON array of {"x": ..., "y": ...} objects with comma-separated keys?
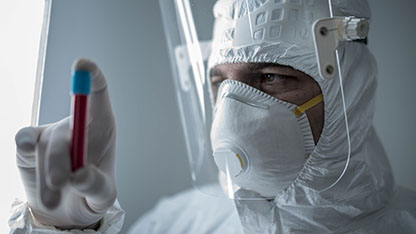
[{"x": 282, "y": 82}]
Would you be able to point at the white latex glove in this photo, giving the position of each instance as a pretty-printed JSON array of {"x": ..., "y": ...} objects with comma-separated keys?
[{"x": 56, "y": 196}]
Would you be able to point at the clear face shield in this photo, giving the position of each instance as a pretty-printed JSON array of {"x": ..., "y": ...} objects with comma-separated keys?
[{"x": 203, "y": 34}]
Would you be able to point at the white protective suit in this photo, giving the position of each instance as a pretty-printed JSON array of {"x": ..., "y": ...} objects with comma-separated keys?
[{"x": 364, "y": 201}]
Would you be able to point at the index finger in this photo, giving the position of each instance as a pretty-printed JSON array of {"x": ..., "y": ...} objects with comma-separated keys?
[{"x": 26, "y": 141}]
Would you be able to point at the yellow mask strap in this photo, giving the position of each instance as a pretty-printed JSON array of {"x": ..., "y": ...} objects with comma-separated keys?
[{"x": 308, "y": 105}]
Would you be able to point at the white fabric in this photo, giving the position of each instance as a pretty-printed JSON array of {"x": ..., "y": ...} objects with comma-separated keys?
[
  {"x": 246, "y": 123},
  {"x": 194, "y": 212},
  {"x": 56, "y": 196},
  {"x": 21, "y": 221},
  {"x": 190, "y": 212},
  {"x": 294, "y": 48},
  {"x": 264, "y": 21}
]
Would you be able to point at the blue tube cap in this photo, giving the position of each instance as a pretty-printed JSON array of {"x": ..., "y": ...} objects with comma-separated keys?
[{"x": 81, "y": 82}]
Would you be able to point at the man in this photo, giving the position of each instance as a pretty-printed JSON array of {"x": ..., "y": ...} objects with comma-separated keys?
[{"x": 258, "y": 89}]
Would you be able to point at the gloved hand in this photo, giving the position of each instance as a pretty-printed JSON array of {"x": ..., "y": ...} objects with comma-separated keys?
[{"x": 57, "y": 197}]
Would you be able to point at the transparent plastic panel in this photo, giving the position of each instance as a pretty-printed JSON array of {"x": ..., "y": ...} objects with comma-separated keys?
[{"x": 189, "y": 47}]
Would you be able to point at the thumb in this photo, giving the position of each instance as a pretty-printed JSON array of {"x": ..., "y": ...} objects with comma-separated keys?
[
  {"x": 101, "y": 122},
  {"x": 99, "y": 102}
]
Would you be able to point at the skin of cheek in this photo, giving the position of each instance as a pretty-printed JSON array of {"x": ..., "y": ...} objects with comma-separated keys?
[
  {"x": 316, "y": 120},
  {"x": 307, "y": 90},
  {"x": 316, "y": 113}
]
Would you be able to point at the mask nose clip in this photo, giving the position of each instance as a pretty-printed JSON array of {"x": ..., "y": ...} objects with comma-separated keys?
[{"x": 246, "y": 101}]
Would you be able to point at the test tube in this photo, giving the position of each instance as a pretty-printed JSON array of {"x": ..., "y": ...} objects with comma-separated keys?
[{"x": 81, "y": 88}]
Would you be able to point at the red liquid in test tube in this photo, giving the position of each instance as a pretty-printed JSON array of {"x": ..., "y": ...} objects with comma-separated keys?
[{"x": 81, "y": 85}]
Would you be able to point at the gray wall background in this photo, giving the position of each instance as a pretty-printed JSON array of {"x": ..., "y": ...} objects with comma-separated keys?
[{"x": 126, "y": 39}]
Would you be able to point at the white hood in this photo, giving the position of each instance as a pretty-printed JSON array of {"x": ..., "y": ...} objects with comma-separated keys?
[{"x": 367, "y": 185}]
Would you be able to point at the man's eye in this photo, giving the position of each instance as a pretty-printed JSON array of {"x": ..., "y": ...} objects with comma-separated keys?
[{"x": 272, "y": 78}]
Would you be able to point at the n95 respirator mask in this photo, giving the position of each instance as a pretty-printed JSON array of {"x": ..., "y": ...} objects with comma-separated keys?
[{"x": 259, "y": 142}]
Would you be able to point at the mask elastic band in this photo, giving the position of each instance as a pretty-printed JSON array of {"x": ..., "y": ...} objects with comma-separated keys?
[{"x": 308, "y": 105}]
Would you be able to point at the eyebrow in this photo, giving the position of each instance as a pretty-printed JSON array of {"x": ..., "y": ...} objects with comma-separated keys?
[
  {"x": 259, "y": 66},
  {"x": 250, "y": 67}
]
